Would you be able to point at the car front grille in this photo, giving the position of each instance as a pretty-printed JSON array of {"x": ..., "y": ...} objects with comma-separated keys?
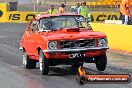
[{"x": 77, "y": 44}]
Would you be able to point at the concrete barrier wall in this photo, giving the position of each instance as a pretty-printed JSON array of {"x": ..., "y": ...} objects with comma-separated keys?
[
  {"x": 119, "y": 36},
  {"x": 16, "y": 16},
  {"x": 102, "y": 16},
  {"x": 22, "y": 17},
  {"x": 3, "y": 10}
]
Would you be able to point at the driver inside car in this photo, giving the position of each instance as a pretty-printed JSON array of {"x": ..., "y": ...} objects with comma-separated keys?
[{"x": 48, "y": 25}]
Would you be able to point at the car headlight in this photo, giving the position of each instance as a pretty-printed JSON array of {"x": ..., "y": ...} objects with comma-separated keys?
[
  {"x": 102, "y": 41},
  {"x": 52, "y": 45}
]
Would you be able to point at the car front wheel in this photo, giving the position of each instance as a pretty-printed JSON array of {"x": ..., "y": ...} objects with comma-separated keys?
[
  {"x": 43, "y": 62},
  {"x": 27, "y": 62},
  {"x": 101, "y": 62}
]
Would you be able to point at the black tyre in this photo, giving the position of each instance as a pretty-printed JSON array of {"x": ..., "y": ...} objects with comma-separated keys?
[
  {"x": 101, "y": 62},
  {"x": 43, "y": 62},
  {"x": 27, "y": 62}
]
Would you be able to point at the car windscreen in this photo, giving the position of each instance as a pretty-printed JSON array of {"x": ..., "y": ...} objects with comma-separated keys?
[{"x": 57, "y": 22}]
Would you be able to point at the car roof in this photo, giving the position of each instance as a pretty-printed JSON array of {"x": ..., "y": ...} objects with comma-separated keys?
[{"x": 53, "y": 15}]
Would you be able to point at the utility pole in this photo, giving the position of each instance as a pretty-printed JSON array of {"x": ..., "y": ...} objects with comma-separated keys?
[{"x": 34, "y": 6}]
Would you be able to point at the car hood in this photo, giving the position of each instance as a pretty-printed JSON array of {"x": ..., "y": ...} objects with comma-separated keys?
[{"x": 73, "y": 34}]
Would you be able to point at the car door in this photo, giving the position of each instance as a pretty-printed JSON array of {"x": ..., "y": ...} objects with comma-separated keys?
[
  {"x": 34, "y": 36},
  {"x": 27, "y": 38}
]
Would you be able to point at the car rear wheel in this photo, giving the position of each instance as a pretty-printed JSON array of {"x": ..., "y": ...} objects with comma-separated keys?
[
  {"x": 43, "y": 62},
  {"x": 101, "y": 62},
  {"x": 27, "y": 62}
]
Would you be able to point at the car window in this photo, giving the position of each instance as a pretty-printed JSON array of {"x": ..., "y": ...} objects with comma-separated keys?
[
  {"x": 57, "y": 22},
  {"x": 42, "y": 24},
  {"x": 70, "y": 22}
]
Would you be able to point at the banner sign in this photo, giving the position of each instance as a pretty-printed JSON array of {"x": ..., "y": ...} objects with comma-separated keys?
[
  {"x": 22, "y": 17},
  {"x": 101, "y": 17}
]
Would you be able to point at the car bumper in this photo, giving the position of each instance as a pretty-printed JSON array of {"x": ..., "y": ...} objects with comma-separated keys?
[{"x": 75, "y": 50}]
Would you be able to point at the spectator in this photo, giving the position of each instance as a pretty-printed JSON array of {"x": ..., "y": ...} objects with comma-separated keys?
[
  {"x": 52, "y": 10},
  {"x": 77, "y": 6},
  {"x": 118, "y": 6},
  {"x": 125, "y": 10},
  {"x": 61, "y": 9},
  {"x": 83, "y": 10}
]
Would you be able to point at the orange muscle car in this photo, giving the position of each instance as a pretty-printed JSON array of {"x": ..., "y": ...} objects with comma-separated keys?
[{"x": 62, "y": 39}]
